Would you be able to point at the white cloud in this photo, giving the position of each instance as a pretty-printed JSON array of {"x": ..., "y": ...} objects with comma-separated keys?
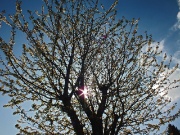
[
  {"x": 174, "y": 94},
  {"x": 154, "y": 45},
  {"x": 161, "y": 45},
  {"x": 176, "y": 57},
  {"x": 178, "y": 16},
  {"x": 161, "y": 48},
  {"x": 179, "y": 4},
  {"x": 177, "y": 24}
]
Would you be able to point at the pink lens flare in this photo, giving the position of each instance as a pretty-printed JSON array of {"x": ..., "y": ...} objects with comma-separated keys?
[
  {"x": 83, "y": 92},
  {"x": 104, "y": 36}
]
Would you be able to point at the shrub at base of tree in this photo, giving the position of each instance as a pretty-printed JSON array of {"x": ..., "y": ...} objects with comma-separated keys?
[{"x": 172, "y": 130}]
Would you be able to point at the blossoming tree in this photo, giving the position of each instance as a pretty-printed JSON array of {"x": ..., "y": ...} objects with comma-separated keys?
[{"x": 83, "y": 71}]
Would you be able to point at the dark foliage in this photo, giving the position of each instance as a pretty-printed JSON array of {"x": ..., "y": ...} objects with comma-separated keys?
[{"x": 172, "y": 130}]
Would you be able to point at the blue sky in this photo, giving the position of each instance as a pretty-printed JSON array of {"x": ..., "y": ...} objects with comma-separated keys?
[{"x": 161, "y": 18}]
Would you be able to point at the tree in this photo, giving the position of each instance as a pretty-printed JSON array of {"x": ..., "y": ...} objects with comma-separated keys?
[
  {"x": 172, "y": 130},
  {"x": 83, "y": 71}
]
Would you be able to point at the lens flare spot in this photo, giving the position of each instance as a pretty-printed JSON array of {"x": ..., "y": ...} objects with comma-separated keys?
[{"x": 84, "y": 91}]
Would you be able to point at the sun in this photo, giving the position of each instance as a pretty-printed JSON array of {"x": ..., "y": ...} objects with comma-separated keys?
[{"x": 84, "y": 91}]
